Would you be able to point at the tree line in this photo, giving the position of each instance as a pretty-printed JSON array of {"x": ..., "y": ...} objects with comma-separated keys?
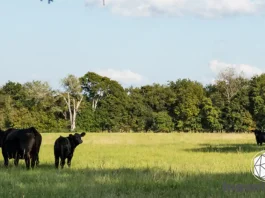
[{"x": 96, "y": 103}]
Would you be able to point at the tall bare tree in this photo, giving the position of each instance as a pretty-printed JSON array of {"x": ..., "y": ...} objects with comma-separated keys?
[
  {"x": 72, "y": 96},
  {"x": 230, "y": 82}
]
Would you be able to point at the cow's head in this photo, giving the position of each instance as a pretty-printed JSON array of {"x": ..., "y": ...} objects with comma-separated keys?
[
  {"x": 256, "y": 131},
  {"x": 258, "y": 135},
  {"x": 77, "y": 137}
]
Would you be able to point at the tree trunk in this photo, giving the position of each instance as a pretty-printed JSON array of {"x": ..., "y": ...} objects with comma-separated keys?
[
  {"x": 72, "y": 112},
  {"x": 94, "y": 104},
  {"x": 73, "y": 117}
]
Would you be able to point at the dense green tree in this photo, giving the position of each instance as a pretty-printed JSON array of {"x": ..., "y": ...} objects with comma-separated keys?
[
  {"x": 158, "y": 97},
  {"x": 210, "y": 116},
  {"x": 112, "y": 110},
  {"x": 257, "y": 100},
  {"x": 186, "y": 110},
  {"x": 95, "y": 87},
  {"x": 163, "y": 122},
  {"x": 85, "y": 119},
  {"x": 140, "y": 117},
  {"x": 16, "y": 91}
]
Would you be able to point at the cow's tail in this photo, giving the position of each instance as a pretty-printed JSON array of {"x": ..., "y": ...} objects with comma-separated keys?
[{"x": 38, "y": 141}]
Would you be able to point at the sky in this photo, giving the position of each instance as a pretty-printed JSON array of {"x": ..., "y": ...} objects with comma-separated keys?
[{"x": 135, "y": 42}]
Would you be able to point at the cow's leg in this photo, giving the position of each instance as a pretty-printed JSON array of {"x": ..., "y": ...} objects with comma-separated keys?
[
  {"x": 56, "y": 162},
  {"x": 5, "y": 159},
  {"x": 5, "y": 156},
  {"x": 27, "y": 160},
  {"x": 16, "y": 160},
  {"x": 33, "y": 160},
  {"x": 57, "y": 157},
  {"x": 37, "y": 160},
  {"x": 69, "y": 159},
  {"x": 62, "y": 162}
]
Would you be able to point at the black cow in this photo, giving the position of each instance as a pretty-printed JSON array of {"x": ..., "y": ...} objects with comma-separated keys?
[
  {"x": 64, "y": 147},
  {"x": 21, "y": 144},
  {"x": 260, "y": 136}
]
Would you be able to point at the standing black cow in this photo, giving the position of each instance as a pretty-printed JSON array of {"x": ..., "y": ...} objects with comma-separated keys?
[
  {"x": 260, "y": 136},
  {"x": 64, "y": 147},
  {"x": 21, "y": 144}
]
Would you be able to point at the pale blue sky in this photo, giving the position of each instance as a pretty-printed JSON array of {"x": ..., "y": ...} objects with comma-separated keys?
[{"x": 48, "y": 41}]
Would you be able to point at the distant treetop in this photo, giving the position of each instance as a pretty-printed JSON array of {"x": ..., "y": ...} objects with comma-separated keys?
[
  {"x": 52, "y": 1},
  {"x": 49, "y": 1}
]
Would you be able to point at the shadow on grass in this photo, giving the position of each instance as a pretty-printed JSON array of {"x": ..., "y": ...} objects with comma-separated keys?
[
  {"x": 122, "y": 182},
  {"x": 227, "y": 148},
  {"x": 22, "y": 166}
]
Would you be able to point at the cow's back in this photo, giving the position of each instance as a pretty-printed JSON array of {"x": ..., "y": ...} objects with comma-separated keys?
[
  {"x": 3, "y": 135},
  {"x": 21, "y": 141},
  {"x": 62, "y": 147},
  {"x": 7, "y": 133}
]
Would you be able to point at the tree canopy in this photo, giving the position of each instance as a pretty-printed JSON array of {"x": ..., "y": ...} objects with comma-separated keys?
[{"x": 97, "y": 103}]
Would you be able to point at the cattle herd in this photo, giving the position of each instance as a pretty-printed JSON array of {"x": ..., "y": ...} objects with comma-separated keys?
[{"x": 25, "y": 144}]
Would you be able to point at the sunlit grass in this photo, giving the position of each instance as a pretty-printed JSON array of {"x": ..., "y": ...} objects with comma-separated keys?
[{"x": 139, "y": 165}]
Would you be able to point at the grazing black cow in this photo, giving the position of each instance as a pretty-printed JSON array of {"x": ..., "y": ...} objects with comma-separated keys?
[
  {"x": 64, "y": 147},
  {"x": 260, "y": 136},
  {"x": 21, "y": 144}
]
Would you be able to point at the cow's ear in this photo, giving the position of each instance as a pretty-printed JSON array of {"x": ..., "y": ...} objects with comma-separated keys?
[{"x": 83, "y": 134}]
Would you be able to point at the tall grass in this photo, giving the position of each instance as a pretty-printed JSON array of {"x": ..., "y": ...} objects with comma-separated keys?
[{"x": 139, "y": 165}]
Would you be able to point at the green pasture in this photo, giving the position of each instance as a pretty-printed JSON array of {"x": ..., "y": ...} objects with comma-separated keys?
[{"x": 139, "y": 165}]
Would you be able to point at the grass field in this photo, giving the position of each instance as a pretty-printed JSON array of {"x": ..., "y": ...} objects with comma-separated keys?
[{"x": 139, "y": 165}]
